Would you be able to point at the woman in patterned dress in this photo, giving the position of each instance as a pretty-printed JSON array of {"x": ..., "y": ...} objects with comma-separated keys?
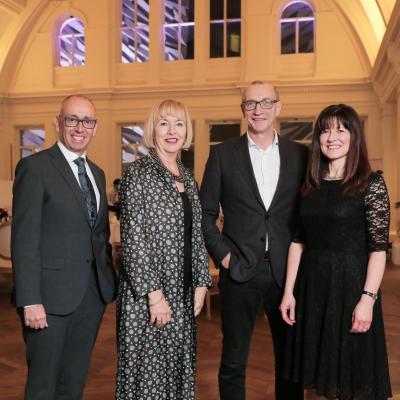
[
  {"x": 164, "y": 274},
  {"x": 335, "y": 266}
]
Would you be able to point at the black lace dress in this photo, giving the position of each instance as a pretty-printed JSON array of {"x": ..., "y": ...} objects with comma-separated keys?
[{"x": 338, "y": 233}]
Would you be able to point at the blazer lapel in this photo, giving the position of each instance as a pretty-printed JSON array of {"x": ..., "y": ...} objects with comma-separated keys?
[
  {"x": 65, "y": 170},
  {"x": 100, "y": 187},
  {"x": 246, "y": 168},
  {"x": 283, "y": 169}
]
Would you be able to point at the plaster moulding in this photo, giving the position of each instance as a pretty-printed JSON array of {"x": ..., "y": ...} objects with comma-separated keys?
[
  {"x": 15, "y": 6},
  {"x": 393, "y": 55}
]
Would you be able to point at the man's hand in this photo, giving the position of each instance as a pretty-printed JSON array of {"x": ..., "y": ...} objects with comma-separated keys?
[
  {"x": 35, "y": 317},
  {"x": 225, "y": 261}
]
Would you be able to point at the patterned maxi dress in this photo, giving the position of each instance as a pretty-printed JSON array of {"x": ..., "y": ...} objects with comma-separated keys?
[
  {"x": 157, "y": 364},
  {"x": 339, "y": 232}
]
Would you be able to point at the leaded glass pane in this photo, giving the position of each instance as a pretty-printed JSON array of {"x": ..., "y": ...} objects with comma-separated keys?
[
  {"x": 132, "y": 134},
  {"x": 128, "y": 47},
  {"x": 127, "y": 13},
  {"x": 233, "y": 9},
  {"x": 222, "y": 132},
  {"x": 187, "y": 11},
  {"x": 296, "y": 130},
  {"x": 66, "y": 52},
  {"x": 288, "y": 37},
  {"x": 143, "y": 12},
  {"x": 171, "y": 43},
  {"x": 128, "y": 154},
  {"x": 187, "y": 42},
  {"x": 216, "y": 9},
  {"x": 79, "y": 50},
  {"x": 72, "y": 26},
  {"x": 171, "y": 11},
  {"x": 306, "y": 36},
  {"x": 26, "y": 152},
  {"x": 217, "y": 39},
  {"x": 297, "y": 10},
  {"x": 233, "y": 39},
  {"x": 142, "y": 151},
  {"x": 32, "y": 137}
]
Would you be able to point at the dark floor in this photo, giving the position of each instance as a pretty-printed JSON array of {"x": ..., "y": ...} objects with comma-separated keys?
[{"x": 100, "y": 385}]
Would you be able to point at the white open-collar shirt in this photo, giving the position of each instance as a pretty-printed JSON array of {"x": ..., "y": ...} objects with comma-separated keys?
[{"x": 266, "y": 165}]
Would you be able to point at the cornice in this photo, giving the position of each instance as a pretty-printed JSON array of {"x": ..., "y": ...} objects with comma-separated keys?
[{"x": 15, "y": 6}]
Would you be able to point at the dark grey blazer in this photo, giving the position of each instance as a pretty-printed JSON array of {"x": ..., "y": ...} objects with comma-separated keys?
[
  {"x": 52, "y": 244},
  {"x": 229, "y": 180}
]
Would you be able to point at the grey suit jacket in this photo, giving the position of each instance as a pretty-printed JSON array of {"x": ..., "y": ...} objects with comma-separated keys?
[
  {"x": 229, "y": 180},
  {"x": 53, "y": 245}
]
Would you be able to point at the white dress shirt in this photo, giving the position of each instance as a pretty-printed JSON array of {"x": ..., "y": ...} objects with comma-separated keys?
[
  {"x": 70, "y": 156},
  {"x": 266, "y": 165}
]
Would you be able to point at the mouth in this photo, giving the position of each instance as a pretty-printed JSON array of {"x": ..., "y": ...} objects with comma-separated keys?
[
  {"x": 78, "y": 139},
  {"x": 334, "y": 147},
  {"x": 172, "y": 140}
]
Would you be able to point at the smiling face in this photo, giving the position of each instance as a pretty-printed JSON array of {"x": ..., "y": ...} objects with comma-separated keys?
[
  {"x": 335, "y": 142},
  {"x": 78, "y": 138},
  {"x": 260, "y": 120},
  {"x": 169, "y": 134}
]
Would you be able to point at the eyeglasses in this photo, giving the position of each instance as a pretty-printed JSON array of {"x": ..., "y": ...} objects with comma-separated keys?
[
  {"x": 72, "y": 122},
  {"x": 265, "y": 104}
]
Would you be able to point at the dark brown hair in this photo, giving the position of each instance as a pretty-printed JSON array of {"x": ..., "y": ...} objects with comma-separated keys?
[{"x": 357, "y": 168}]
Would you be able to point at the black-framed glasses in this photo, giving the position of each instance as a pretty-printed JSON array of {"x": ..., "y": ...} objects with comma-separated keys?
[
  {"x": 73, "y": 122},
  {"x": 265, "y": 104}
]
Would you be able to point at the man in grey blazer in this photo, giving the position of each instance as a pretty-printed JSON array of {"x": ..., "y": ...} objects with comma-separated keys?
[
  {"x": 256, "y": 180},
  {"x": 63, "y": 276}
]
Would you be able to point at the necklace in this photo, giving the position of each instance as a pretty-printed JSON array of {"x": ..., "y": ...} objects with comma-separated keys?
[
  {"x": 333, "y": 177},
  {"x": 157, "y": 159}
]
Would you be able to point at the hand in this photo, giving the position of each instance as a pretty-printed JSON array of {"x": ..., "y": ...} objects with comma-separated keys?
[
  {"x": 35, "y": 317},
  {"x": 199, "y": 295},
  {"x": 288, "y": 308},
  {"x": 160, "y": 311},
  {"x": 362, "y": 315},
  {"x": 226, "y": 260}
]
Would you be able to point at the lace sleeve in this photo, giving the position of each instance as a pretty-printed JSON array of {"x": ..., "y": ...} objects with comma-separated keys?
[{"x": 377, "y": 214}]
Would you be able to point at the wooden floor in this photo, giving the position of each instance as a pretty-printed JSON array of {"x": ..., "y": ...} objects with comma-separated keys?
[{"x": 100, "y": 385}]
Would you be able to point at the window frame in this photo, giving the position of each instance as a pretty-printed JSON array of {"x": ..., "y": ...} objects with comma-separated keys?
[
  {"x": 178, "y": 25},
  {"x": 135, "y": 28},
  {"x": 74, "y": 41},
  {"x": 33, "y": 149},
  {"x": 296, "y": 21},
  {"x": 225, "y": 22}
]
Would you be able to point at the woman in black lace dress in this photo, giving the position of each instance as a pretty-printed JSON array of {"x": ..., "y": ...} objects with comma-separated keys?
[{"x": 335, "y": 267}]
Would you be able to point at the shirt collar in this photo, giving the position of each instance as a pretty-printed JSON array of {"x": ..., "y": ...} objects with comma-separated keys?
[
  {"x": 68, "y": 154},
  {"x": 251, "y": 143}
]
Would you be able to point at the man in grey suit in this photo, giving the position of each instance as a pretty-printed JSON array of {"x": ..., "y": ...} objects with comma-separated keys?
[
  {"x": 256, "y": 180},
  {"x": 63, "y": 276}
]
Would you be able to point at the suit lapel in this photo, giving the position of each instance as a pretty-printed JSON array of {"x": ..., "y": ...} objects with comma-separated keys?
[
  {"x": 243, "y": 162},
  {"x": 65, "y": 170},
  {"x": 99, "y": 183},
  {"x": 283, "y": 169}
]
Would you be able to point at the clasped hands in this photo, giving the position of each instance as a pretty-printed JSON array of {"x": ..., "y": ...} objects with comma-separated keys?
[
  {"x": 35, "y": 317},
  {"x": 160, "y": 310}
]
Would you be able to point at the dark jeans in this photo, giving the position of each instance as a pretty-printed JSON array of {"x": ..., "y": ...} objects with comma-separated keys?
[
  {"x": 240, "y": 305},
  {"x": 58, "y": 357}
]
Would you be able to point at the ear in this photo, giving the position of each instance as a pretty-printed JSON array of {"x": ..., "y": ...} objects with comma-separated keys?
[
  {"x": 278, "y": 108},
  {"x": 57, "y": 124}
]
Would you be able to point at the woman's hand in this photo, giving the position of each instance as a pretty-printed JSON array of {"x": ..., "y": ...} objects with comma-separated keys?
[
  {"x": 362, "y": 315},
  {"x": 288, "y": 308},
  {"x": 160, "y": 311},
  {"x": 199, "y": 295}
]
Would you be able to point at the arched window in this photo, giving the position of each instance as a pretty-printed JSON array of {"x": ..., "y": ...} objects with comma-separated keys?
[
  {"x": 297, "y": 28},
  {"x": 135, "y": 31},
  {"x": 71, "y": 41}
]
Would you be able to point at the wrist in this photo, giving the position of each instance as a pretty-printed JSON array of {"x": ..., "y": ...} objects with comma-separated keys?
[
  {"x": 153, "y": 302},
  {"x": 369, "y": 294}
]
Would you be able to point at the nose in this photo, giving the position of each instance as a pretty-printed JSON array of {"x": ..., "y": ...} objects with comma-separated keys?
[
  {"x": 332, "y": 135},
  {"x": 171, "y": 129},
  {"x": 79, "y": 127}
]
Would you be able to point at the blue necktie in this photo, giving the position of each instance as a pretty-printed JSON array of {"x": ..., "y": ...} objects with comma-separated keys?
[{"x": 87, "y": 189}]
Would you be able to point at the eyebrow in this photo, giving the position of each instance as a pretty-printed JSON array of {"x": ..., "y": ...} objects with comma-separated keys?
[{"x": 75, "y": 116}]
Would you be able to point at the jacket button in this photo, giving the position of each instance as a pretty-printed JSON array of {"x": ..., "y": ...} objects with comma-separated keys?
[
  {"x": 263, "y": 239},
  {"x": 88, "y": 261},
  {"x": 266, "y": 216}
]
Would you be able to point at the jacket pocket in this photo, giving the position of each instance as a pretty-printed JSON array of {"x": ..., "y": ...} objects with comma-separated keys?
[{"x": 53, "y": 263}]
